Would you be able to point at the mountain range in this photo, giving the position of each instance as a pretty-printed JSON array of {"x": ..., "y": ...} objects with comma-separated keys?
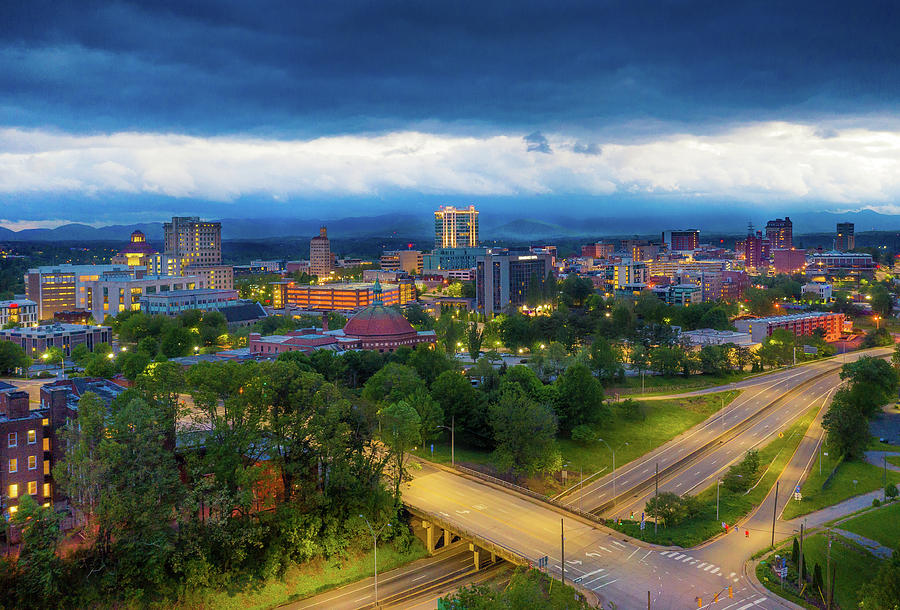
[{"x": 491, "y": 228}]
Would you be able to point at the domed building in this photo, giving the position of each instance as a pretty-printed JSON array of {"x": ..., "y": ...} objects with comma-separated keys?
[
  {"x": 136, "y": 253},
  {"x": 376, "y": 327}
]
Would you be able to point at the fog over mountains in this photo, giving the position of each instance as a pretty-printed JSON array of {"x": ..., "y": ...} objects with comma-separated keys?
[{"x": 493, "y": 226}]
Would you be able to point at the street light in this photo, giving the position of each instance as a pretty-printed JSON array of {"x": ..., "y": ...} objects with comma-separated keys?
[
  {"x": 375, "y": 539},
  {"x": 452, "y": 430},
  {"x": 718, "y": 483},
  {"x": 62, "y": 365},
  {"x": 614, "y": 466}
]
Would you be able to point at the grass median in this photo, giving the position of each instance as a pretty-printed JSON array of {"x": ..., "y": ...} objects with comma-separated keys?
[
  {"x": 663, "y": 421},
  {"x": 305, "y": 580},
  {"x": 732, "y": 505},
  {"x": 851, "y": 478}
]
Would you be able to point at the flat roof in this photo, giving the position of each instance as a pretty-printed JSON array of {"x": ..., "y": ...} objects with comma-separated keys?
[
  {"x": 794, "y": 316},
  {"x": 53, "y": 328},
  {"x": 17, "y": 302},
  {"x": 195, "y": 292}
]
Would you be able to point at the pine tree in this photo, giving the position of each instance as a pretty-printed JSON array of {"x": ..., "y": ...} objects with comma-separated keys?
[{"x": 795, "y": 553}]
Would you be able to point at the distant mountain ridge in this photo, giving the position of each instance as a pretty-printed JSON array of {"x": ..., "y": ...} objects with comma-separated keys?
[{"x": 493, "y": 226}]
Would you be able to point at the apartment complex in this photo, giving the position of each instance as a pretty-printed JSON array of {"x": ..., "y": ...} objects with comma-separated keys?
[
  {"x": 456, "y": 228},
  {"x": 26, "y": 449},
  {"x": 801, "y": 324},
  {"x": 321, "y": 260},
  {"x": 502, "y": 279}
]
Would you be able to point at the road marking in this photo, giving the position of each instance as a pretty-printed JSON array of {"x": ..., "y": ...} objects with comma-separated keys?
[
  {"x": 645, "y": 556},
  {"x": 707, "y": 568},
  {"x": 701, "y": 565},
  {"x": 607, "y": 583},
  {"x": 462, "y": 512},
  {"x": 574, "y": 562},
  {"x": 619, "y": 543},
  {"x": 605, "y": 549},
  {"x": 732, "y": 575},
  {"x": 479, "y": 506},
  {"x": 686, "y": 559},
  {"x": 632, "y": 554},
  {"x": 679, "y": 556},
  {"x": 580, "y": 578},
  {"x": 419, "y": 577},
  {"x": 593, "y": 555},
  {"x": 717, "y": 570}
]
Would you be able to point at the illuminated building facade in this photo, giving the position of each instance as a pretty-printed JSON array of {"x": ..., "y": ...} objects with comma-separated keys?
[
  {"x": 801, "y": 324},
  {"x": 137, "y": 253},
  {"x": 410, "y": 261},
  {"x": 502, "y": 279},
  {"x": 321, "y": 260},
  {"x": 683, "y": 240},
  {"x": 110, "y": 294},
  {"x": 36, "y": 339},
  {"x": 456, "y": 228},
  {"x": 23, "y": 312},
  {"x": 845, "y": 238},
  {"x": 193, "y": 241},
  {"x": 780, "y": 233},
  {"x": 339, "y": 297},
  {"x": 64, "y": 287}
]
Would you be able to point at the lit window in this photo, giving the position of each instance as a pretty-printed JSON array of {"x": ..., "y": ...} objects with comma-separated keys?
[
  {"x": 32, "y": 462},
  {"x": 13, "y": 509},
  {"x": 13, "y": 465},
  {"x": 14, "y": 491},
  {"x": 45, "y": 422},
  {"x": 32, "y": 487},
  {"x": 13, "y": 440},
  {"x": 46, "y": 490},
  {"x": 32, "y": 437}
]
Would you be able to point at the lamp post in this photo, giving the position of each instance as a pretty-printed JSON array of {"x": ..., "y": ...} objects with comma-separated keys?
[
  {"x": 62, "y": 363},
  {"x": 614, "y": 466},
  {"x": 718, "y": 483},
  {"x": 452, "y": 430},
  {"x": 375, "y": 536}
]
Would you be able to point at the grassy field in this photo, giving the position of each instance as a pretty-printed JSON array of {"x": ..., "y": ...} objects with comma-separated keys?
[
  {"x": 867, "y": 477},
  {"x": 656, "y": 384},
  {"x": 304, "y": 580},
  {"x": 665, "y": 419},
  {"x": 894, "y": 459},
  {"x": 732, "y": 506},
  {"x": 880, "y": 524},
  {"x": 855, "y": 566}
]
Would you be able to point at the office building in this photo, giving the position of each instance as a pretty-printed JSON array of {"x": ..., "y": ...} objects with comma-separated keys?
[
  {"x": 175, "y": 302},
  {"x": 36, "y": 339},
  {"x": 627, "y": 274},
  {"x": 137, "y": 253},
  {"x": 214, "y": 275},
  {"x": 780, "y": 233},
  {"x": 63, "y": 287},
  {"x": 321, "y": 260},
  {"x": 442, "y": 259},
  {"x": 113, "y": 293},
  {"x": 684, "y": 240},
  {"x": 801, "y": 324},
  {"x": 756, "y": 251},
  {"x": 680, "y": 294},
  {"x": 456, "y": 228},
  {"x": 339, "y": 297},
  {"x": 23, "y": 312},
  {"x": 788, "y": 260},
  {"x": 845, "y": 238},
  {"x": 709, "y": 336},
  {"x": 502, "y": 279},
  {"x": 725, "y": 285},
  {"x": 822, "y": 290},
  {"x": 410, "y": 261},
  {"x": 193, "y": 242}
]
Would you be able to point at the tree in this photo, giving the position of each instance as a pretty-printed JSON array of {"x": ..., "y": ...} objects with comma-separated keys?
[
  {"x": 474, "y": 339},
  {"x": 99, "y": 365},
  {"x": 778, "y": 348},
  {"x": 890, "y": 491},
  {"x": 524, "y": 433},
  {"x": 741, "y": 476},
  {"x": 606, "y": 359},
  {"x": 450, "y": 332},
  {"x": 12, "y": 357},
  {"x": 40, "y": 566},
  {"x": 872, "y": 383},
  {"x": 211, "y": 327},
  {"x": 461, "y": 404},
  {"x": 80, "y": 354},
  {"x": 80, "y": 474},
  {"x": 393, "y": 383},
  {"x": 882, "y": 301},
  {"x": 579, "y": 398},
  {"x": 400, "y": 432},
  {"x": 666, "y": 507},
  {"x": 176, "y": 342},
  {"x": 665, "y": 360},
  {"x": 883, "y": 591},
  {"x": 431, "y": 415},
  {"x": 516, "y": 332},
  {"x": 846, "y": 426},
  {"x": 714, "y": 360},
  {"x": 429, "y": 362}
]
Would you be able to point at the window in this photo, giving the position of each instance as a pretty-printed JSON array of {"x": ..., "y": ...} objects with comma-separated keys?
[
  {"x": 14, "y": 491},
  {"x": 13, "y": 440},
  {"x": 32, "y": 437},
  {"x": 13, "y": 465},
  {"x": 46, "y": 490},
  {"x": 13, "y": 509},
  {"x": 32, "y": 487},
  {"x": 45, "y": 422},
  {"x": 32, "y": 462}
]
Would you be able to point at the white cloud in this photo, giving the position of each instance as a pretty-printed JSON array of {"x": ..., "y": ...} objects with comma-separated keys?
[{"x": 847, "y": 166}]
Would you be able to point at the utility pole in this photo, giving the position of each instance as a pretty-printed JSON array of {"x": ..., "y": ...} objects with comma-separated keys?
[
  {"x": 656, "y": 518},
  {"x": 453, "y": 441},
  {"x": 648, "y": 600},
  {"x": 884, "y": 479},
  {"x": 774, "y": 512},
  {"x": 829, "y": 577},
  {"x": 800, "y": 561},
  {"x": 562, "y": 550}
]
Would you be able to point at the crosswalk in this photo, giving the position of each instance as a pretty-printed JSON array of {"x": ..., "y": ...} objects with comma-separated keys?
[{"x": 700, "y": 565}]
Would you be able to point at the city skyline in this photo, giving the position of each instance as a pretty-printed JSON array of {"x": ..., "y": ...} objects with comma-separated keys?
[{"x": 300, "y": 110}]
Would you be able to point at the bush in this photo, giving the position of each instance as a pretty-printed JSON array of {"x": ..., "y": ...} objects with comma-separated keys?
[
  {"x": 583, "y": 434},
  {"x": 890, "y": 491},
  {"x": 740, "y": 476},
  {"x": 876, "y": 502},
  {"x": 632, "y": 410}
]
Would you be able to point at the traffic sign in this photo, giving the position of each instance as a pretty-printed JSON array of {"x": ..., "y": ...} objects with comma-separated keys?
[{"x": 642, "y": 522}]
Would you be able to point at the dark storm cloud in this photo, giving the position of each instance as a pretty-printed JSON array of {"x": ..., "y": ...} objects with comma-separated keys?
[{"x": 326, "y": 67}]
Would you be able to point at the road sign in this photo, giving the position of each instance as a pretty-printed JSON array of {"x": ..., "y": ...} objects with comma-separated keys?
[
  {"x": 810, "y": 349},
  {"x": 798, "y": 496},
  {"x": 797, "y": 489},
  {"x": 642, "y": 522},
  {"x": 543, "y": 562}
]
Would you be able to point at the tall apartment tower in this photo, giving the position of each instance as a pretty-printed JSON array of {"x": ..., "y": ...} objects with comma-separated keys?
[
  {"x": 194, "y": 242},
  {"x": 780, "y": 233},
  {"x": 844, "y": 239},
  {"x": 682, "y": 240},
  {"x": 321, "y": 263},
  {"x": 455, "y": 228}
]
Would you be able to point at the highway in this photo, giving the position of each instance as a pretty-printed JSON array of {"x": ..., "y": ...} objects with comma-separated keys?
[{"x": 765, "y": 406}]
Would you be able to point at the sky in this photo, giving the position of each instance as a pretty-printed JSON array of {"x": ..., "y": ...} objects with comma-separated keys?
[{"x": 120, "y": 112}]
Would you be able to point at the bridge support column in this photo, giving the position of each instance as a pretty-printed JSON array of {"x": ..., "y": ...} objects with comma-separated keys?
[
  {"x": 493, "y": 557},
  {"x": 477, "y": 555},
  {"x": 429, "y": 536},
  {"x": 448, "y": 536}
]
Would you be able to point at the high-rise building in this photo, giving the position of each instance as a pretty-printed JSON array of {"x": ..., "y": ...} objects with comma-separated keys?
[
  {"x": 193, "y": 241},
  {"x": 682, "y": 240},
  {"x": 137, "y": 253},
  {"x": 503, "y": 279},
  {"x": 780, "y": 233},
  {"x": 455, "y": 228},
  {"x": 845, "y": 238},
  {"x": 64, "y": 287},
  {"x": 756, "y": 251},
  {"x": 321, "y": 261}
]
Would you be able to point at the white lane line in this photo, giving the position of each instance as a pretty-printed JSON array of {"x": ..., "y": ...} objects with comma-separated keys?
[
  {"x": 687, "y": 559},
  {"x": 632, "y": 554},
  {"x": 619, "y": 543},
  {"x": 716, "y": 571},
  {"x": 679, "y": 556},
  {"x": 607, "y": 583},
  {"x": 707, "y": 568},
  {"x": 605, "y": 549},
  {"x": 645, "y": 556},
  {"x": 580, "y": 578},
  {"x": 732, "y": 575},
  {"x": 665, "y": 553},
  {"x": 419, "y": 577},
  {"x": 593, "y": 580}
]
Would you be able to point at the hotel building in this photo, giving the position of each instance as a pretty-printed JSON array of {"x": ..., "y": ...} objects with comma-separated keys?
[{"x": 456, "y": 228}]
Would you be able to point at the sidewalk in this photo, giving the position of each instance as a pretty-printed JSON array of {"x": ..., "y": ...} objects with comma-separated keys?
[{"x": 876, "y": 548}]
